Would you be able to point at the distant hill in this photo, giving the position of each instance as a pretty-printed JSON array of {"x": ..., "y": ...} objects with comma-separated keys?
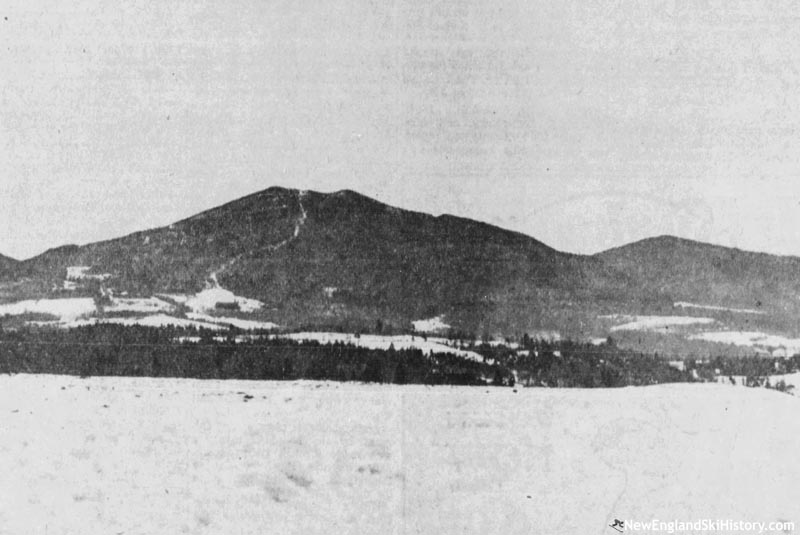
[
  {"x": 675, "y": 269},
  {"x": 343, "y": 259}
]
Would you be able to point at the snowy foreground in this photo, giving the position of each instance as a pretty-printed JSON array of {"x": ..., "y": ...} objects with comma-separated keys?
[{"x": 145, "y": 456}]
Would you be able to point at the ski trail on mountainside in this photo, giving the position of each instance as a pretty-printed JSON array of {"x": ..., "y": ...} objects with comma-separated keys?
[
  {"x": 297, "y": 225},
  {"x": 213, "y": 281}
]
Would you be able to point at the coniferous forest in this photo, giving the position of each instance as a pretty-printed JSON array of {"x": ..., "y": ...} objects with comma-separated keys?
[{"x": 108, "y": 349}]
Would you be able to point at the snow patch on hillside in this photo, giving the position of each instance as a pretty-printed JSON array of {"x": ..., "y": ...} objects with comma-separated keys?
[
  {"x": 374, "y": 341},
  {"x": 684, "y": 304},
  {"x": 654, "y": 323},
  {"x": 66, "y": 309},
  {"x": 431, "y": 325}
]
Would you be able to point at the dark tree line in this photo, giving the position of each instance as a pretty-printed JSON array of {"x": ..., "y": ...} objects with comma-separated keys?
[
  {"x": 570, "y": 364},
  {"x": 567, "y": 363},
  {"x": 747, "y": 366},
  {"x": 109, "y": 349}
]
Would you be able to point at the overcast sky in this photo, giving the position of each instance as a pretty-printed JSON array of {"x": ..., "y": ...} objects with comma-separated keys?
[{"x": 584, "y": 124}]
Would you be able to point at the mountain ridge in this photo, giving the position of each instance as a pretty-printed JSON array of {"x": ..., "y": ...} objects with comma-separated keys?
[
  {"x": 671, "y": 240},
  {"x": 665, "y": 238}
]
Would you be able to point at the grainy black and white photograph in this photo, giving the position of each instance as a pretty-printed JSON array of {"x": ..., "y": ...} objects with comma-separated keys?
[{"x": 401, "y": 267}]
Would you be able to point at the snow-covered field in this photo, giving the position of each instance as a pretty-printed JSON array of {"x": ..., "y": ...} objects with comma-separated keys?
[
  {"x": 75, "y": 312},
  {"x": 145, "y": 456},
  {"x": 66, "y": 309}
]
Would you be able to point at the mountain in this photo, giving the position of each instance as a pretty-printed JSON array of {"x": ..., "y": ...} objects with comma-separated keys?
[
  {"x": 7, "y": 265},
  {"x": 670, "y": 269},
  {"x": 334, "y": 258},
  {"x": 345, "y": 260}
]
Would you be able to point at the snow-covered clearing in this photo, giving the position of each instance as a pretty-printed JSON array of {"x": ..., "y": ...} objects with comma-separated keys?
[
  {"x": 781, "y": 345},
  {"x": 654, "y": 323},
  {"x": 146, "y": 305},
  {"x": 247, "y": 325},
  {"x": 66, "y": 309},
  {"x": 77, "y": 273},
  {"x": 684, "y": 304},
  {"x": 144, "y": 456},
  {"x": 208, "y": 299},
  {"x": 374, "y": 341},
  {"x": 431, "y": 325}
]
